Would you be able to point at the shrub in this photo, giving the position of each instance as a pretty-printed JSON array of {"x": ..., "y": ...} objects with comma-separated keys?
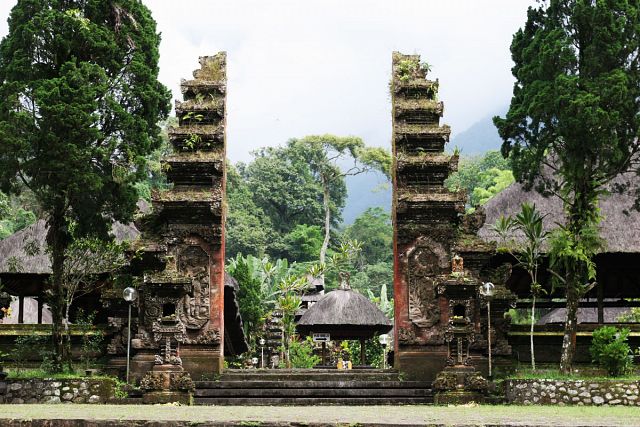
[
  {"x": 91, "y": 343},
  {"x": 610, "y": 350},
  {"x": 28, "y": 349},
  {"x": 301, "y": 354}
]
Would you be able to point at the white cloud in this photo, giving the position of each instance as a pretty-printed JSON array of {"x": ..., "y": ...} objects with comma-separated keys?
[{"x": 298, "y": 67}]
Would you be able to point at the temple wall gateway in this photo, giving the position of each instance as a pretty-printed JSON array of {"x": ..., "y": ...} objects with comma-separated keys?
[
  {"x": 430, "y": 233},
  {"x": 181, "y": 306}
]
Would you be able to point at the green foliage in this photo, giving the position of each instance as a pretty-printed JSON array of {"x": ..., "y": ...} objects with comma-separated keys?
[
  {"x": 610, "y": 349},
  {"x": 374, "y": 230},
  {"x": 301, "y": 354},
  {"x": 497, "y": 180},
  {"x": 251, "y": 298},
  {"x": 408, "y": 69},
  {"x": 249, "y": 230},
  {"x": 375, "y": 278},
  {"x": 571, "y": 250},
  {"x": 632, "y": 316},
  {"x": 529, "y": 254},
  {"x": 278, "y": 200},
  {"x": 574, "y": 115},
  {"x": 382, "y": 301},
  {"x": 78, "y": 116},
  {"x": 303, "y": 243},
  {"x": 282, "y": 184},
  {"x": 13, "y": 216},
  {"x": 373, "y": 350},
  {"x": 29, "y": 348},
  {"x": 91, "y": 344},
  {"x": 481, "y": 177},
  {"x": 323, "y": 154},
  {"x": 155, "y": 177}
]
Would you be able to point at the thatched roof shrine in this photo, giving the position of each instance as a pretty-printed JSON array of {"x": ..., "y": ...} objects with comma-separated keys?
[{"x": 344, "y": 314}]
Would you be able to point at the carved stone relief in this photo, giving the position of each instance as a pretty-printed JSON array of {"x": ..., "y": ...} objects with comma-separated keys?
[
  {"x": 425, "y": 261},
  {"x": 193, "y": 262}
]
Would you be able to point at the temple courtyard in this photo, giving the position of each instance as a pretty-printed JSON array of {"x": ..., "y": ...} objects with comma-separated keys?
[{"x": 467, "y": 415}]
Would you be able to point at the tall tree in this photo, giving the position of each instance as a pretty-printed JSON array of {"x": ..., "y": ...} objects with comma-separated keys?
[
  {"x": 374, "y": 231},
  {"x": 574, "y": 114},
  {"x": 79, "y": 107},
  {"x": 325, "y": 155},
  {"x": 248, "y": 229},
  {"x": 284, "y": 187}
]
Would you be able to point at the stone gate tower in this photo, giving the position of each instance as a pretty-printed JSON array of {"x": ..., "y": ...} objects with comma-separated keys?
[
  {"x": 425, "y": 217},
  {"x": 439, "y": 261},
  {"x": 181, "y": 304}
]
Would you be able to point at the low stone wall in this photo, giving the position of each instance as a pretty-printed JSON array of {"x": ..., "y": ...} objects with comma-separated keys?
[
  {"x": 57, "y": 391},
  {"x": 572, "y": 392}
]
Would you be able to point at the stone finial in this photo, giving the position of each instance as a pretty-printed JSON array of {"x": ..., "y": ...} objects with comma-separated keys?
[
  {"x": 212, "y": 68},
  {"x": 344, "y": 280}
]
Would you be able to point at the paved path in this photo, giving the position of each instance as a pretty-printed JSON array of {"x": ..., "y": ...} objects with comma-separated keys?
[{"x": 377, "y": 415}]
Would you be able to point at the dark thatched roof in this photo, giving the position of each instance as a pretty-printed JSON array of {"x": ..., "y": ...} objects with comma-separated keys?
[
  {"x": 17, "y": 256},
  {"x": 620, "y": 227},
  {"x": 585, "y": 315},
  {"x": 16, "y": 250},
  {"x": 344, "y": 314}
]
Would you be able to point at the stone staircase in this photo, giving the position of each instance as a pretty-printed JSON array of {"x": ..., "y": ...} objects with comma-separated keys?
[{"x": 312, "y": 387}]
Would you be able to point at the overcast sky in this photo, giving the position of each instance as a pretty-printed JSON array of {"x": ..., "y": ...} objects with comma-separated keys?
[{"x": 300, "y": 67}]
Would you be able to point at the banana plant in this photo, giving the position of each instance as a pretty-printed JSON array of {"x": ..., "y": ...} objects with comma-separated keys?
[{"x": 528, "y": 253}]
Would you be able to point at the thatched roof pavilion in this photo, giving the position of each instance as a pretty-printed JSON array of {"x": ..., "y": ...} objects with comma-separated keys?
[
  {"x": 620, "y": 227},
  {"x": 24, "y": 272},
  {"x": 617, "y": 264},
  {"x": 346, "y": 315}
]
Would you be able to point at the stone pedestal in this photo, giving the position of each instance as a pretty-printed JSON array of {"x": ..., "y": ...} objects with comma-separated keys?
[
  {"x": 459, "y": 384},
  {"x": 167, "y": 384},
  {"x": 201, "y": 363}
]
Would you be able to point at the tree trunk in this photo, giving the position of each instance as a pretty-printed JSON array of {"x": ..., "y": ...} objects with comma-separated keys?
[
  {"x": 57, "y": 241},
  {"x": 533, "y": 321},
  {"x": 580, "y": 214},
  {"x": 570, "y": 327},
  {"x": 327, "y": 220}
]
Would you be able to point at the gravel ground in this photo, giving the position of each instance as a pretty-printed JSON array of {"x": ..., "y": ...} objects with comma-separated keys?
[{"x": 391, "y": 415}]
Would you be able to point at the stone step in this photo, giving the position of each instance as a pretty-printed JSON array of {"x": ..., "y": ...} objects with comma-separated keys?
[
  {"x": 294, "y": 384},
  {"x": 312, "y": 401},
  {"x": 312, "y": 375},
  {"x": 312, "y": 392}
]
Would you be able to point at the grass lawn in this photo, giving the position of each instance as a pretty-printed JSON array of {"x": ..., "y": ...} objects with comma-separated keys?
[{"x": 422, "y": 415}]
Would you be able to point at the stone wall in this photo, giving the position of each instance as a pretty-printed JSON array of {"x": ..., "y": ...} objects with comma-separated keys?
[
  {"x": 572, "y": 392},
  {"x": 57, "y": 391}
]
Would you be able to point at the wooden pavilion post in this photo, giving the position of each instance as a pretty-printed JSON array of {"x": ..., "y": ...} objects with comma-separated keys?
[
  {"x": 40, "y": 306},
  {"x": 600, "y": 303},
  {"x": 20, "y": 309},
  {"x": 363, "y": 358},
  {"x": 324, "y": 353}
]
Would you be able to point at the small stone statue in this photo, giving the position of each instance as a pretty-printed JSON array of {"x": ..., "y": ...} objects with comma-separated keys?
[{"x": 457, "y": 264}]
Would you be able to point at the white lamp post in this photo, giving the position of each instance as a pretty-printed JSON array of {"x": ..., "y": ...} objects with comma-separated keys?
[
  {"x": 487, "y": 290},
  {"x": 130, "y": 295},
  {"x": 262, "y": 343},
  {"x": 384, "y": 340}
]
